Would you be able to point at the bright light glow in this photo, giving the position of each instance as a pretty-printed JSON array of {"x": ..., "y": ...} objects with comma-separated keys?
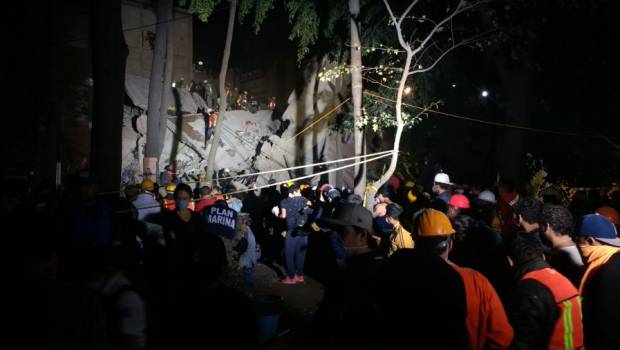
[
  {"x": 174, "y": 84},
  {"x": 200, "y": 63},
  {"x": 453, "y": 85},
  {"x": 420, "y": 66},
  {"x": 407, "y": 90},
  {"x": 485, "y": 93}
]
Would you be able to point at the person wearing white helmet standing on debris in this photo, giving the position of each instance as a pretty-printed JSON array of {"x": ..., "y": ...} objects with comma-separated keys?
[{"x": 442, "y": 187}]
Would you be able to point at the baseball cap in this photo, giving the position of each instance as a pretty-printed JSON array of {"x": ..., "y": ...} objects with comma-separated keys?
[
  {"x": 600, "y": 228},
  {"x": 350, "y": 214}
]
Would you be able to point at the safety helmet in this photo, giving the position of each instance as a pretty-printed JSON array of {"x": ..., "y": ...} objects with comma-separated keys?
[
  {"x": 411, "y": 197},
  {"x": 433, "y": 223},
  {"x": 487, "y": 196},
  {"x": 442, "y": 178},
  {"x": 171, "y": 188},
  {"x": 147, "y": 185},
  {"x": 610, "y": 213},
  {"x": 459, "y": 201}
]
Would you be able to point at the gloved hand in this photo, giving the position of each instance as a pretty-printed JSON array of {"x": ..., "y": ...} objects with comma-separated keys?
[{"x": 275, "y": 210}]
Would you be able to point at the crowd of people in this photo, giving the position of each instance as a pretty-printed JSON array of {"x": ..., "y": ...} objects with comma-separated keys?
[{"x": 170, "y": 266}]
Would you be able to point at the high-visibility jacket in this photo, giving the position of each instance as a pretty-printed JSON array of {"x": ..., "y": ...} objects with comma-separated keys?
[
  {"x": 486, "y": 323},
  {"x": 169, "y": 204},
  {"x": 568, "y": 330}
]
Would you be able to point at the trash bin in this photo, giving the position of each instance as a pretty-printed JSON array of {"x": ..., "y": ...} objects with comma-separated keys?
[{"x": 268, "y": 310}]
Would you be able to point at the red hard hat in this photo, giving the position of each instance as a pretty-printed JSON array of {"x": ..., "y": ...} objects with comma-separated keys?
[
  {"x": 459, "y": 201},
  {"x": 610, "y": 213}
]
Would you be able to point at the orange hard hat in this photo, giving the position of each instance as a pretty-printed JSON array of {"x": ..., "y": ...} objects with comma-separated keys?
[
  {"x": 147, "y": 185},
  {"x": 459, "y": 201},
  {"x": 433, "y": 223},
  {"x": 610, "y": 213}
]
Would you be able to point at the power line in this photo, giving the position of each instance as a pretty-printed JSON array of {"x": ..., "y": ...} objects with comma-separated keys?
[
  {"x": 59, "y": 43},
  {"x": 481, "y": 121}
]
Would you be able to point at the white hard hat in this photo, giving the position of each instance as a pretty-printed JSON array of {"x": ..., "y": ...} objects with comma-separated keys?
[
  {"x": 487, "y": 196},
  {"x": 442, "y": 178}
]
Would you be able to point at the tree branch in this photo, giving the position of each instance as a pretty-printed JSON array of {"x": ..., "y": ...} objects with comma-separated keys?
[
  {"x": 398, "y": 23},
  {"x": 402, "y": 17},
  {"x": 460, "y": 8},
  {"x": 448, "y": 50}
]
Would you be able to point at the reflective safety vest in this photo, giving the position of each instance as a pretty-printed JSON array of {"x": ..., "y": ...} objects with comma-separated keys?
[
  {"x": 568, "y": 329},
  {"x": 171, "y": 205}
]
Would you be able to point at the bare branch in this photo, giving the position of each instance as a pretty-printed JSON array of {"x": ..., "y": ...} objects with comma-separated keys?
[
  {"x": 473, "y": 39},
  {"x": 460, "y": 8},
  {"x": 397, "y": 24},
  {"x": 423, "y": 19},
  {"x": 380, "y": 83},
  {"x": 423, "y": 53},
  {"x": 402, "y": 17}
]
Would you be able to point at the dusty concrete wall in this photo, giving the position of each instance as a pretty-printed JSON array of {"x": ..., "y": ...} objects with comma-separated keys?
[
  {"x": 139, "y": 25},
  {"x": 251, "y": 142}
]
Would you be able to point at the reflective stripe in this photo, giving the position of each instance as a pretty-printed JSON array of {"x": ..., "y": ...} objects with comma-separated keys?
[{"x": 568, "y": 324}]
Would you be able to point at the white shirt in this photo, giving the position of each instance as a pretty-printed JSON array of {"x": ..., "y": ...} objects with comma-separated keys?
[{"x": 574, "y": 255}]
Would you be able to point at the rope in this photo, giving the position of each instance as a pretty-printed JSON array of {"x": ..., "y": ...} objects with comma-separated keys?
[
  {"x": 451, "y": 115},
  {"x": 283, "y": 169},
  {"x": 325, "y": 115},
  {"x": 387, "y": 154}
]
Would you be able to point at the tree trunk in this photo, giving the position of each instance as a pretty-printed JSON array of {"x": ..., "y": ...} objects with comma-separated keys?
[
  {"x": 356, "y": 92},
  {"x": 223, "y": 70},
  {"x": 109, "y": 52},
  {"x": 156, "y": 90},
  {"x": 400, "y": 125},
  {"x": 167, "y": 94}
]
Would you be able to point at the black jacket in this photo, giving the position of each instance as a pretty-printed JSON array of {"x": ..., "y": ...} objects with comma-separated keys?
[
  {"x": 601, "y": 307},
  {"x": 533, "y": 311}
]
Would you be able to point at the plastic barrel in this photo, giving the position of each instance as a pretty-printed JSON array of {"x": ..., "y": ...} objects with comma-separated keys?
[{"x": 268, "y": 309}]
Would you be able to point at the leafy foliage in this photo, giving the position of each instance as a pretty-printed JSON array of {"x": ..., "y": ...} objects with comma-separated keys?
[
  {"x": 203, "y": 8},
  {"x": 261, "y": 9},
  {"x": 304, "y": 17}
]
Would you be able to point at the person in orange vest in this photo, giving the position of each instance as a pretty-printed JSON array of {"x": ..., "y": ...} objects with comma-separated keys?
[
  {"x": 168, "y": 201},
  {"x": 545, "y": 308},
  {"x": 486, "y": 323},
  {"x": 599, "y": 246}
]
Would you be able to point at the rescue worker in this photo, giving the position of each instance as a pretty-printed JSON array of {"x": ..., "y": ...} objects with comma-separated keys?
[
  {"x": 442, "y": 187},
  {"x": 564, "y": 256},
  {"x": 168, "y": 201},
  {"x": 545, "y": 309},
  {"x": 486, "y": 323},
  {"x": 457, "y": 204},
  {"x": 600, "y": 286},
  {"x": 146, "y": 203},
  {"x": 400, "y": 238}
]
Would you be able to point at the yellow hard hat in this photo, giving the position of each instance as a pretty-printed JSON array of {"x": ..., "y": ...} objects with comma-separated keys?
[
  {"x": 412, "y": 197},
  {"x": 147, "y": 185},
  {"x": 434, "y": 223},
  {"x": 171, "y": 188}
]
